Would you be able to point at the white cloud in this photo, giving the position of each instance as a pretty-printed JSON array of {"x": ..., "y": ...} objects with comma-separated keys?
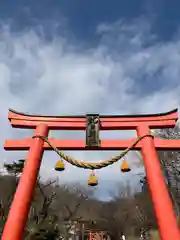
[{"x": 118, "y": 76}]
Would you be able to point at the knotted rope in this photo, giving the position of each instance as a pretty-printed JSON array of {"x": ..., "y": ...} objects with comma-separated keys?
[{"x": 92, "y": 165}]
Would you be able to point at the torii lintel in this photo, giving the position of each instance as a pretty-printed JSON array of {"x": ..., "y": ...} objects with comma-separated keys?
[{"x": 107, "y": 122}]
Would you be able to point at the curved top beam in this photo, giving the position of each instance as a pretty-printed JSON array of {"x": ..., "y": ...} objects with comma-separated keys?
[
  {"x": 19, "y": 119},
  {"x": 172, "y": 112}
]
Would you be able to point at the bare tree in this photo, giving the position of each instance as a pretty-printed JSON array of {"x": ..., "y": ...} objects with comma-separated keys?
[
  {"x": 170, "y": 162},
  {"x": 57, "y": 210},
  {"x": 116, "y": 214},
  {"x": 53, "y": 208}
]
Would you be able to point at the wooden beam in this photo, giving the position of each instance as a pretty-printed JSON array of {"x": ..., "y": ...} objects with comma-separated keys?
[
  {"x": 104, "y": 125},
  {"x": 160, "y": 144},
  {"x": 171, "y": 115}
]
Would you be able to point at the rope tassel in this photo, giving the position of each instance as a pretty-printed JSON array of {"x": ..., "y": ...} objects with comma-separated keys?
[
  {"x": 125, "y": 167},
  {"x": 60, "y": 166},
  {"x": 93, "y": 180}
]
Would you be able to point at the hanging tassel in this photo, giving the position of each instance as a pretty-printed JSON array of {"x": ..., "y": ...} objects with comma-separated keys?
[
  {"x": 93, "y": 180},
  {"x": 125, "y": 166},
  {"x": 60, "y": 166}
]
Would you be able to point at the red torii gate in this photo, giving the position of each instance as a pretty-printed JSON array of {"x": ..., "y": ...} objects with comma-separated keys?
[{"x": 18, "y": 213}]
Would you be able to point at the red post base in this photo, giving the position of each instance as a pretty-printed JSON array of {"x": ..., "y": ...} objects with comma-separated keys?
[
  {"x": 18, "y": 213},
  {"x": 163, "y": 207}
]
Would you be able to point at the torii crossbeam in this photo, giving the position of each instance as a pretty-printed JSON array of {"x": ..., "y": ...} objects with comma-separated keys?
[{"x": 18, "y": 213}]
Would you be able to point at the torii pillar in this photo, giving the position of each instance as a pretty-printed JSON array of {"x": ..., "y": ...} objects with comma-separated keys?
[{"x": 163, "y": 207}]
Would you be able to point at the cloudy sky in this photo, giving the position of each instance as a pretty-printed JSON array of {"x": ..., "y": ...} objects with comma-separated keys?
[{"x": 77, "y": 57}]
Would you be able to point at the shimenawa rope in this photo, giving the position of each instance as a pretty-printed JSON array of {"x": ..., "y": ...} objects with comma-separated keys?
[{"x": 92, "y": 165}]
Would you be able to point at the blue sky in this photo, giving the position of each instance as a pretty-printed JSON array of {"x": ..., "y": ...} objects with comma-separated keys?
[
  {"x": 82, "y": 17},
  {"x": 74, "y": 57}
]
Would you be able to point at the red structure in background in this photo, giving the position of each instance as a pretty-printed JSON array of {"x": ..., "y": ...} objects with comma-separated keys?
[{"x": 18, "y": 213}]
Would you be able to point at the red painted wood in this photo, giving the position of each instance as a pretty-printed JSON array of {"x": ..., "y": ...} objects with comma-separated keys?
[
  {"x": 165, "y": 116},
  {"x": 20, "y": 206},
  {"x": 12, "y": 115},
  {"x": 90, "y": 236},
  {"x": 163, "y": 206},
  {"x": 82, "y": 125},
  {"x": 160, "y": 144}
]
